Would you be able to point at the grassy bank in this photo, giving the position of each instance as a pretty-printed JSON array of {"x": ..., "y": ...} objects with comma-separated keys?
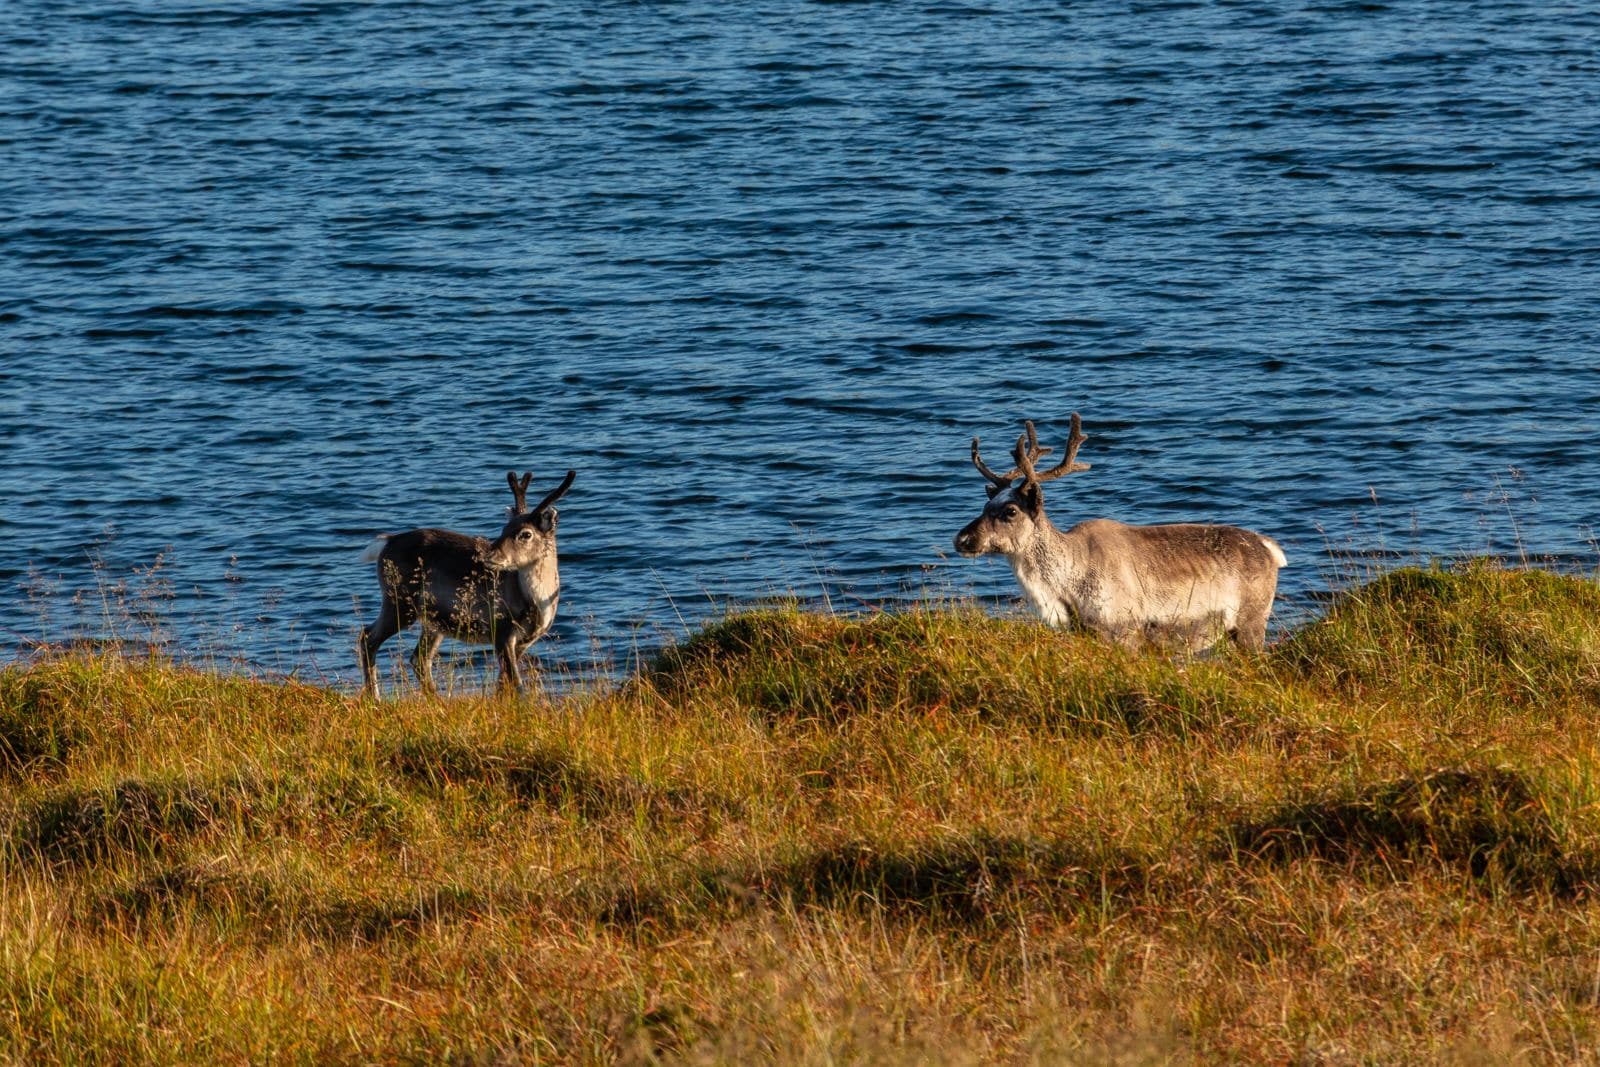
[{"x": 932, "y": 835}]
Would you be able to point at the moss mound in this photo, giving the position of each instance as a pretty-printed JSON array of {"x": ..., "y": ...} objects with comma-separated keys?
[
  {"x": 37, "y": 729},
  {"x": 1527, "y": 636},
  {"x": 788, "y": 664}
]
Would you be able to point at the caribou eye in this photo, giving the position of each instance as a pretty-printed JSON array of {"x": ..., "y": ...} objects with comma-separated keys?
[
  {"x": 1010, "y": 512},
  {"x": 525, "y": 535}
]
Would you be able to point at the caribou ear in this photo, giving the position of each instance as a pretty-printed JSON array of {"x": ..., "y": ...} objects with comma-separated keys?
[
  {"x": 992, "y": 489},
  {"x": 1029, "y": 496}
]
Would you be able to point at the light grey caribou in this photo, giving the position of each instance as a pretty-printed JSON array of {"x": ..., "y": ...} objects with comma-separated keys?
[{"x": 1183, "y": 585}]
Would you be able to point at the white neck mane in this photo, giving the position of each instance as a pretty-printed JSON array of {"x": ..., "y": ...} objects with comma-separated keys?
[{"x": 541, "y": 585}]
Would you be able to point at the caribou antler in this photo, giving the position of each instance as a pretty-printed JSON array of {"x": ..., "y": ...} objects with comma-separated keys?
[
  {"x": 557, "y": 493},
  {"x": 519, "y": 490},
  {"x": 1027, "y": 453},
  {"x": 1033, "y": 453},
  {"x": 983, "y": 469}
]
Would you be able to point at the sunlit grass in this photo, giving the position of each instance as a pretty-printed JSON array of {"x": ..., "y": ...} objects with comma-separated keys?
[{"x": 928, "y": 835}]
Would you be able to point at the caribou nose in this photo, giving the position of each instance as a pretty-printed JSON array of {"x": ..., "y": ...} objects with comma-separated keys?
[{"x": 967, "y": 543}]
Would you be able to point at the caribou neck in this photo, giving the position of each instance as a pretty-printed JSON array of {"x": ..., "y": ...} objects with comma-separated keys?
[
  {"x": 532, "y": 589},
  {"x": 1045, "y": 565}
]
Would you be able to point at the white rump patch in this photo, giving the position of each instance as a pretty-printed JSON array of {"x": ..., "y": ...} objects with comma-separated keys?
[
  {"x": 375, "y": 549},
  {"x": 1275, "y": 551}
]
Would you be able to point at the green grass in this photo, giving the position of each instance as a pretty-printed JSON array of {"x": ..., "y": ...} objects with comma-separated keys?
[{"x": 923, "y": 836}]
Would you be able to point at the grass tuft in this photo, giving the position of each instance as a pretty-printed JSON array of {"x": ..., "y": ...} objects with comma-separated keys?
[{"x": 36, "y": 732}]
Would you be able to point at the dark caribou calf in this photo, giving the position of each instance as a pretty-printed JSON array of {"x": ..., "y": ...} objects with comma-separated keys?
[{"x": 502, "y": 592}]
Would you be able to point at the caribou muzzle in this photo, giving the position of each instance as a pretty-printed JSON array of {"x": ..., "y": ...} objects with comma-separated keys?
[{"x": 967, "y": 541}]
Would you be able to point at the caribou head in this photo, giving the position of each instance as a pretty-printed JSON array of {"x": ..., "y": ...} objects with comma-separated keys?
[
  {"x": 1015, "y": 512},
  {"x": 528, "y": 536}
]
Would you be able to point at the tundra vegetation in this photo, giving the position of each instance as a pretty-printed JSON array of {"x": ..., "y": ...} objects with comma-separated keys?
[{"x": 928, "y": 836}]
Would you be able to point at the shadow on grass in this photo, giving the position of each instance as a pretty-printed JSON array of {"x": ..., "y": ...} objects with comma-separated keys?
[
  {"x": 1486, "y": 822},
  {"x": 85, "y": 825},
  {"x": 147, "y": 818},
  {"x": 543, "y": 777},
  {"x": 269, "y": 911},
  {"x": 969, "y": 879}
]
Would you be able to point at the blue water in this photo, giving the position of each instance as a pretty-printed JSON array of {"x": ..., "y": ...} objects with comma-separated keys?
[{"x": 275, "y": 276}]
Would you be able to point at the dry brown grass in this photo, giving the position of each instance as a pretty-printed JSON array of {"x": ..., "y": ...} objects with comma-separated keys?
[{"x": 931, "y": 836}]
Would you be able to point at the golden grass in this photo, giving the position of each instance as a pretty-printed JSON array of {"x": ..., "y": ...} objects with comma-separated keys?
[{"x": 928, "y": 836}]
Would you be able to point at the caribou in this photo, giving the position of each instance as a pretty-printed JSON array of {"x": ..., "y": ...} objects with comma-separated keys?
[
  {"x": 1182, "y": 585},
  {"x": 502, "y": 592}
]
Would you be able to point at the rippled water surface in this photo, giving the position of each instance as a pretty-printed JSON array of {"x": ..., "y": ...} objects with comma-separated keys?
[{"x": 275, "y": 276}]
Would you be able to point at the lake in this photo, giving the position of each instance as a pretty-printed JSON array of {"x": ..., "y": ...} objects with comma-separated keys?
[{"x": 277, "y": 276}]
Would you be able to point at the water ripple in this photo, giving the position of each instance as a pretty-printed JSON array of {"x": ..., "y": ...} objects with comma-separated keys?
[{"x": 279, "y": 275}]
